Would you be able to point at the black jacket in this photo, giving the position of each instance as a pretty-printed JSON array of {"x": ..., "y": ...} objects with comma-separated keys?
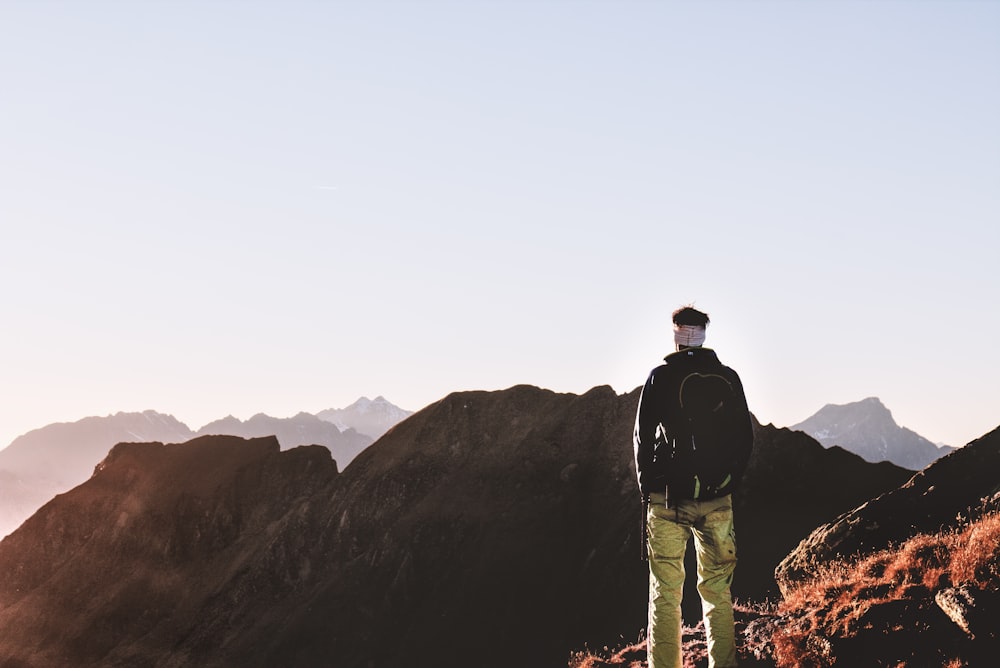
[{"x": 659, "y": 405}]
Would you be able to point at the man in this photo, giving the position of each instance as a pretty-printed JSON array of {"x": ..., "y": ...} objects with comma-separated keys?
[{"x": 693, "y": 438}]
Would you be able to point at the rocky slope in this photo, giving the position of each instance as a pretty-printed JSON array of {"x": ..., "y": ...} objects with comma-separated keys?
[
  {"x": 489, "y": 529},
  {"x": 791, "y": 483},
  {"x": 954, "y": 486},
  {"x": 868, "y": 429},
  {"x": 910, "y": 578},
  {"x": 50, "y": 460},
  {"x": 119, "y": 570}
]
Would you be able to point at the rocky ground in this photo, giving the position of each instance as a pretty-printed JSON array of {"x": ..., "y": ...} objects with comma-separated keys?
[
  {"x": 753, "y": 626},
  {"x": 932, "y": 601}
]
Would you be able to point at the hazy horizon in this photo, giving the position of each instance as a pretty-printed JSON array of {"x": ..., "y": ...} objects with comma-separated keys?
[{"x": 218, "y": 208}]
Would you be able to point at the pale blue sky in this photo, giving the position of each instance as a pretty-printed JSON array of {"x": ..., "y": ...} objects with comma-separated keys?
[{"x": 212, "y": 208}]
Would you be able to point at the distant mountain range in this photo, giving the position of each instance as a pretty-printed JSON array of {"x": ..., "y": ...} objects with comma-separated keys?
[
  {"x": 53, "y": 459},
  {"x": 867, "y": 429},
  {"x": 488, "y": 529},
  {"x": 303, "y": 429}
]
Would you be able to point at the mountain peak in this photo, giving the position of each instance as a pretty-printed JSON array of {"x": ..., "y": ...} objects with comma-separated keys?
[
  {"x": 372, "y": 417},
  {"x": 868, "y": 403},
  {"x": 867, "y": 428}
]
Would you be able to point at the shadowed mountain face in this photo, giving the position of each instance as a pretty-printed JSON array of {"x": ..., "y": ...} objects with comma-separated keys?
[
  {"x": 118, "y": 570},
  {"x": 791, "y": 484},
  {"x": 867, "y": 428},
  {"x": 954, "y": 486},
  {"x": 53, "y": 459},
  {"x": 50, "y": 460},
  {"x": 485, "y": 518},
  {"x": 489, "y": 529}
]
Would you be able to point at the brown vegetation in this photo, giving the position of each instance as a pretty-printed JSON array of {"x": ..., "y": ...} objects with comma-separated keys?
[
  {"x": 883, "y": 609},
  {"x": 695, "y": 650},
  {"x": 890, "y": 592}
]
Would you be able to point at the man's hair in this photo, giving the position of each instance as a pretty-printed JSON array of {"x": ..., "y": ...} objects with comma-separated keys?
[{"x": 689, "y": 315}]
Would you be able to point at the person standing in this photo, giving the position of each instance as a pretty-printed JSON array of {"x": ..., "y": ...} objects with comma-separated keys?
[{"x": 692, "y": 440}]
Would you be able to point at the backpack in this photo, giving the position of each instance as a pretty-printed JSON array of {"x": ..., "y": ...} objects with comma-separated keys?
[{"x": 702, "y": 452}]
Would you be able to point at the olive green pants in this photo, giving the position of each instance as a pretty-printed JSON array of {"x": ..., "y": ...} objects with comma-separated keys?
[{"x": 711, "y": 523}]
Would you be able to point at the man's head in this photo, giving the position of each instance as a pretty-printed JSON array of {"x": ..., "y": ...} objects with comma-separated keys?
[{"x": 689, "y": 327}]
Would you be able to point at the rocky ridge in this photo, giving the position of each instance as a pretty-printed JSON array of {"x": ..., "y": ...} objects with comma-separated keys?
[
  {"x": 486, "y": 517},
  {"x": 52, "y": 459}
]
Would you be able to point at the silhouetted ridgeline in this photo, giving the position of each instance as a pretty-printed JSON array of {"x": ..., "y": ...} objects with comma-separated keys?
[
  {"x": 489, "y": 529},
  {"x": 55, "y": 458}
]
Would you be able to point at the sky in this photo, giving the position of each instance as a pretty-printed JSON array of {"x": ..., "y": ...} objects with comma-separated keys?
[{"x": 225, "y": 208}]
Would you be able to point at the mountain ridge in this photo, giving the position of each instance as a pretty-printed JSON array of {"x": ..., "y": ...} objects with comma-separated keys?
[
  {"x": 484, "y": 517},
  {"x": 52, "y": 459}
]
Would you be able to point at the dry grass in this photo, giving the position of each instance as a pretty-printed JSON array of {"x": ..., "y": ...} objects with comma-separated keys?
[
  {"x": 632, "y": 656},
  {"x": 834, "y": 602},
  {"x": 695, "y": 649},
  {"x": 831, "y": 604}
]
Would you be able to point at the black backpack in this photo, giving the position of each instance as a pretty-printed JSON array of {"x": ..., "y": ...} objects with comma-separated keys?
[{"x": 703, "y": 453}]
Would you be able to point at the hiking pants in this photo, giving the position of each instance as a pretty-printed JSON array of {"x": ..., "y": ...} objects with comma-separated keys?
[{"x": 711, "y": 522}]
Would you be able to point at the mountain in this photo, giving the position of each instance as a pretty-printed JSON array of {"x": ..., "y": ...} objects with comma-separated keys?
[
  {"x": 118, "y": 570},
  {"x": 50, "y": 460},
  {"x": 488, "y": 529},
  {"x": 794, "y": 478},
  {"x": 867, "y": 428},
  {"x": 66, "y": 452},
  {"x": 955, "y": 486},
  {"x": 302, "y": 429},
  {"x": 372, "y": 417},
  {"x": 53, "y": 459},
  {"x": 911, "y": 578}
]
